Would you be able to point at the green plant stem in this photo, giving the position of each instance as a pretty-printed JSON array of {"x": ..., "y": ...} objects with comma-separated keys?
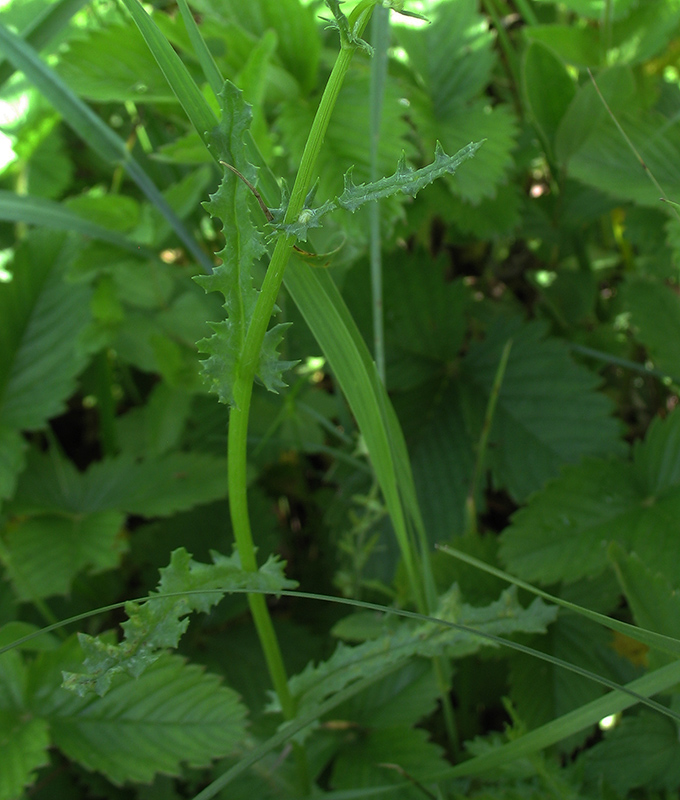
[
  {"x": 470, "y": 507},
  {"x": 106, "y": 407},
  {"x": 526, "y": 12},
  {"x": 243, "y": 385},
  {"x": 380, "y": 36},
  {"x": 511, "y": 58}
]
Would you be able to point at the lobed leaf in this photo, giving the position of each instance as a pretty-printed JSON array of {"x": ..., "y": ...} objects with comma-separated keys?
[
  {"x": 348, "y": 664},
  {"x": 161, "y": 620},
  {"x": 405, "y": 180},
  {"x": 244, "y": 246}
]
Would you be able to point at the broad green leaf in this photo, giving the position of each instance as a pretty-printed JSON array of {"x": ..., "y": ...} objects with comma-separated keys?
[
  {"x": 547, "y": 412},
  {"x": 403, "y": 698},
  {"x": 24, "y": 740},
  {"x": 43, "y": 321},
  {"x": 173, "y": 714},
  {"x": 655, "y": 318},
  {"x": 156, "y": 428},
  {"x": 151, "y": 487},
  {"x": 575, "y": 44},
  {"x": 441, "y": 449},
  {"x": 12, "y": 456},
  {"x": 41, "y": 352},
  {"x": 587, "y": 113},
  {"x": 24, "y": 744},
  {"x": 640, "y": 751},
  {"x": 564, "y": 532},
  {"x": 43, "y": 554},
  {"x": 453, "y": 59},
  {"x": 453, "y": 56},
  {"x": 113, "y": 64},
  {"x": 607, "y": 162},
  {"x": 497, "y": 126},
  {"x": 383, "y": 756},
  {"x": 548, "y": 88},
  {"x": 645, "y": 31},
  {"x": 425, "y": 316},
  {"x": 542, "y": 691},
  {"x": 652, "y": 597},
  {"x": 293, "y": 23},
  {"x": 594, "y": 9},
  {"x": 159, "y": 622}
]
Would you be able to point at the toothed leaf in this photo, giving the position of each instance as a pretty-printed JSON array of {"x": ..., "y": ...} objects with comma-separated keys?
[
  {"x": 245, "y": 244},
  {"x": 160, "y": 621},
  {"x": 348, "y": 664},
  {"x": 405, "y": 179},
  {"x": 348, "y": 36}
]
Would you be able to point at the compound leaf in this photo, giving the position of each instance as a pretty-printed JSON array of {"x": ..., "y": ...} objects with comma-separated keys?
[
  {"x": 547, "y": 412},
  {"x": 43, "y": 554},
  {"x": 43, "y": 320},
  {"x": 564, "y": 532},
  {"x": 24, "y": 743},
  {"x": 174, "y": 713},
  {"x": 151, "y": 487}
]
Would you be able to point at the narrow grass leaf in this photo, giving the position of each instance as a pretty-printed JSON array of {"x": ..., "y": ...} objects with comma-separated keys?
[
  {"x": 43, "y": 29},
  {"x": 321, "y": 305},
  {"x": 210, "y": 68},
  {"x": 180, "y": 81},
  {"x": 48, "y": 214},
  {"x": 666, "y": 644},
  {"x": 575, "y": 721},
  {"x": 93, "y": 131}
]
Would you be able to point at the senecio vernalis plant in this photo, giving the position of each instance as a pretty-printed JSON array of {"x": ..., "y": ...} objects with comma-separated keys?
[
  {"x": 131, "y": 709},
  {"x": 243, "y": 347}
]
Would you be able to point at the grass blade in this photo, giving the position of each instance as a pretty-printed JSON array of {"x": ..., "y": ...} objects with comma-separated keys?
[
  {"x": 42, "y": 30},
  {"x": 177, "y": 75},
  {"x": 93, "y": 131},
  {"x": 210, "y": 68},
  {"x": 575, "y": 721},
  {"x": 658, "y": 641},
  {"x": 48, "y": 214}
]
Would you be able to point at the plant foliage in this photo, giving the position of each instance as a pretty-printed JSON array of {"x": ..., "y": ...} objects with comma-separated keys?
[{"x": 417, "y": 253}]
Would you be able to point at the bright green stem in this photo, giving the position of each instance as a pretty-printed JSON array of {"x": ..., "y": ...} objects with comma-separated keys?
[
  {"x": 526, "y": 12},
  {"x": 243, "y": 386}
]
